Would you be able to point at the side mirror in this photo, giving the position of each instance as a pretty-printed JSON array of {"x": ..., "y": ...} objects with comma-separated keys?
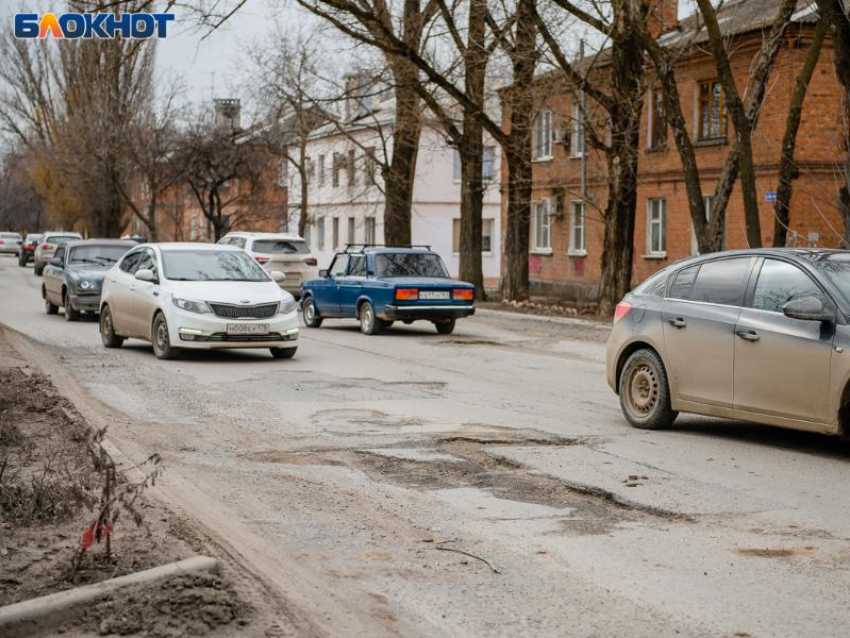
[
  {"x": 323, "y": 273},
  {"x": 146, "y": 274},
  {"x": 277, "y": 275},
  {"x": 807, "y": 309}
]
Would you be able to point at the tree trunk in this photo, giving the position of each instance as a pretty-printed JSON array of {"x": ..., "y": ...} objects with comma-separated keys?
[
  {"x": 472, "y": 151},
  {"x": 787, "y": 167},
  {"x": 517, "y": 151},
  {"x": 402, "y": 170}
]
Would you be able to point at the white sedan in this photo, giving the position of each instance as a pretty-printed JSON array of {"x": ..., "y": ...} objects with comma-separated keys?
[{"x": 196, "y": 296}]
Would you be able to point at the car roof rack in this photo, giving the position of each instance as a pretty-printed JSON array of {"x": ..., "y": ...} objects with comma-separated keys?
[{"x": 359, "y": 248}]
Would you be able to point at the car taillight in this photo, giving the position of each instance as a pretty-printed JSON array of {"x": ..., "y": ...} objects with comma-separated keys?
[
  {"x": 45, "y": 246},
  {"x": 262, "y": 260},
  {"x": 463, "y": 294},
  {"x": 311, "y": 261},
  {"x": 621, "y": 310},
  {"x": 2, "y": 242},
  {"x": 406, "y": 294}
]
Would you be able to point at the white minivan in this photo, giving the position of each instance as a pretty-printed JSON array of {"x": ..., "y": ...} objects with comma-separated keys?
[{"x": 196, "y": 296}]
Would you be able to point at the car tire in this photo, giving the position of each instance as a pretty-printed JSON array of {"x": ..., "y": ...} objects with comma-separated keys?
[
  {"x": 369, "y": 323},
  {"x": 22, "y": 261},
  {"x": 283, "y": 353},
  {"x": 107, "y": 330},
  {"x": 445, "y": 327},
  {"x": 310, "y": 313},
  {"x": 645, "y": 392},
  {"x": 71, "y": 314},
  {"x": 38, "y": 270},
  {"x": 49, "y": 307},
  {"x": 161, "y": 340}
]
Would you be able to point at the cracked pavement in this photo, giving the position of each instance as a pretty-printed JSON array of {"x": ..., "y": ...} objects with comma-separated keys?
[{"x": 378, "y": 482}]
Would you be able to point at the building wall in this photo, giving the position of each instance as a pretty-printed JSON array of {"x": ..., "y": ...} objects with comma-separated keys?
[{"x": 814, "y": 217}]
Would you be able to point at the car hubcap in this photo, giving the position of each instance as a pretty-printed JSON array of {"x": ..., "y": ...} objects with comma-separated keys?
[
  {"x": 367, "y": 317},
  {"x": 643, "y": 389},
  {"x": 308, "y": 311},
  {"x": 161, "y": 336}
]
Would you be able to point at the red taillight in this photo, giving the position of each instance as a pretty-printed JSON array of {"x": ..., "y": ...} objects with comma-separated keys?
[
  {"x": 45, "y": 246},
  {"x": 311, "y": 261},
  {"x": 621, "y": 310},
  {"x": 2, "y": 242},
  {"x": 463, "y": 294},
  {"x": 407, "y": 294},
  {"x": 262, "y": 260}
]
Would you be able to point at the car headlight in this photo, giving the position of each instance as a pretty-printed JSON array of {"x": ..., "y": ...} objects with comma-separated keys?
[
  {"x": 287, "y": 305},
  {"x": 190, "y": 305},
  {"x": 87, "y": 284}
]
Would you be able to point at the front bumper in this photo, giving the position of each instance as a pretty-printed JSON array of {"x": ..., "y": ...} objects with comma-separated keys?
[
  {"x": 208, "y": 332},
  {"x": 430, "y": 313},
  {"x": 87, "y": 303}
]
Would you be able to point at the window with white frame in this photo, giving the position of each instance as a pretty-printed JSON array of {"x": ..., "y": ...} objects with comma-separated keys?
[
  {"x": 656, "y": 227},
  {"x": 456, "y": 167},
  {"x": 578, "y": 228},
  {"x": 541, "y": 226},
  {"x": 486, "y": 236},
  {"x": 543, "y": 135},
  {"x": 577, "y": 137},
  {"x": 488, "y": 166}
]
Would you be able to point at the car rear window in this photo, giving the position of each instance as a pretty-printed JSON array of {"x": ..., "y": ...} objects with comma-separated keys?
[
  {"x": 721, "y": 282},
  {"x": 61, "y": 239},
  {"x": 409, "y": 265},
  {"x": 283, "y": 246},
  {"x": 10, "y": 235}
]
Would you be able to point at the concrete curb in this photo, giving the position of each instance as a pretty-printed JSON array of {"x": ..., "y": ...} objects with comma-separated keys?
[
  {"x": 567, "y": 321},
  {"x": 37, "y": 608}
]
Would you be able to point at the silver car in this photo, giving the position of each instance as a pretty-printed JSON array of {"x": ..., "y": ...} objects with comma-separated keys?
[
  {"x": 760, "y": 335},
  {"x": 10, "y": 243},
  {"x": 47, "y": 246}
]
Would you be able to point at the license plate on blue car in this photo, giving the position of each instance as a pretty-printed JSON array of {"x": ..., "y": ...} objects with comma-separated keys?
[
  {"x": 247, "y": 328},
  {"x": 434, "y": 294}
]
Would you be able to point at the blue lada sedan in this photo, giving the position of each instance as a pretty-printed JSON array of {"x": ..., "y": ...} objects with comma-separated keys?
[{"x": 381, "y": 285}]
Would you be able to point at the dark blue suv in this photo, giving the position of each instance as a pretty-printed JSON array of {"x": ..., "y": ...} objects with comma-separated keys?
[{"x": 380, "y": 284}]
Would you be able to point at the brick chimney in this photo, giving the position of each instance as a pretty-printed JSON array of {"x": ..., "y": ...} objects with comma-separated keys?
[{"x": 663, "y": 16}]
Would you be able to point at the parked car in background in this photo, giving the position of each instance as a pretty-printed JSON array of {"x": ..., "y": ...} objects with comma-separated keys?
[
  {"x": 27, "y": 251},
  {"x": 761, "y": 335},
  {"x": 10, "y": 243},
  {"x": 284, "y": 252},
  {"x": 45, "y": 249},
  {"x": 380, "y": 285},
  {"x": 74, "y": 276},
  {"x": 198, "y": 296}
]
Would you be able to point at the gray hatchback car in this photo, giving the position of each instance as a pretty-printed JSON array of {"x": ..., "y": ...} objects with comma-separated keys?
[{"x": 761, "y": 335}]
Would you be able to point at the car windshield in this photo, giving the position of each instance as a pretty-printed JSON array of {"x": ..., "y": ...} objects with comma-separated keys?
[
  {"x": 409, "y": 265},
  {"x": 60, "y": 239},
  {"x": 283, "y": 246},
  {"x": 211, "y": 265},
  {"x": 836, "y": 267},
  {"x": 103, "y": 255}
]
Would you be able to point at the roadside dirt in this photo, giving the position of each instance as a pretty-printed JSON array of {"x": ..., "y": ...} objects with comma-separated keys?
[{"x": 50, "y": 490}]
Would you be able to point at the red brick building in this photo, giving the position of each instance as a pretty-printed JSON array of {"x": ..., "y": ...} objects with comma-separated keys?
[{"x": 566, "y": 245}]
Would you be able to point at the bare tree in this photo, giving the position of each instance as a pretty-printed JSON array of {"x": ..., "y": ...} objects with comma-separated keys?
[{"x": 22, "y": 208}]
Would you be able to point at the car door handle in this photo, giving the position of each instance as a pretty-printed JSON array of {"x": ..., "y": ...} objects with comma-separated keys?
[
  {"x": 678, "y": 322},
  {"x": 748, "y": 335}
]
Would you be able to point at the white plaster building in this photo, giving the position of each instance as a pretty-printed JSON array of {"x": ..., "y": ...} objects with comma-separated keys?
[{"x": 345, "y": 195}]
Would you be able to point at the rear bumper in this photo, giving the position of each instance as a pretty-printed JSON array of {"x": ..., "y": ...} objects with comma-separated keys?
[{"x": 431, "y": 313}]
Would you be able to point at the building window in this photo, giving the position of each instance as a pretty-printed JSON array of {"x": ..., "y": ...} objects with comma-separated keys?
[
  {"x": 320, "y": 233},
  {"x": 352, "y": 173},
  {"x": 456, "y": 167},
  {"x": 335, "y": 233},
  {"x": 712, "y": 111},
  {"x": 656, "y": 227},
  {"x": 657, "y": 119},
  {"x": 371, "y": 162},
  {"x": 351, "y": 227},
  {"x": 577, "y": 136},
  {"x": 488, "y": 167},
  {"x": 708, "y": 204},
  {"x": 369, "y": 229},
  {"x": 578, "y": 229},
  {"x": 541, "y": 227},
  {"x": 486, "y": 236},
  {"x": 321, "y": 170},
  {"x": 338, "y": 162},
  {"x": 543, "y": 135}
]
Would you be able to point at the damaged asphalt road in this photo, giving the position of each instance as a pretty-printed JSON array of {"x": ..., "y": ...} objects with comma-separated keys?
[{"x": 479, "y": 485}]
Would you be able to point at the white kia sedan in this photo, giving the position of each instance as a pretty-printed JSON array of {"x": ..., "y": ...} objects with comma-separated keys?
[{"x": 196, "y": 296}]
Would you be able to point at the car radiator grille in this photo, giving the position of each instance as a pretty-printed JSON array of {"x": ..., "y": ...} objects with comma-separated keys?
[
  {"x": 262, "y": 311},
  {"x": 223, "y": 337}
]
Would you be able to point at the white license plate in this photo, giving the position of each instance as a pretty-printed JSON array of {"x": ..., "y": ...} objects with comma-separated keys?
[
  {"x": 434, "y": 294},
  {"x": 247, "y": 328}
]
